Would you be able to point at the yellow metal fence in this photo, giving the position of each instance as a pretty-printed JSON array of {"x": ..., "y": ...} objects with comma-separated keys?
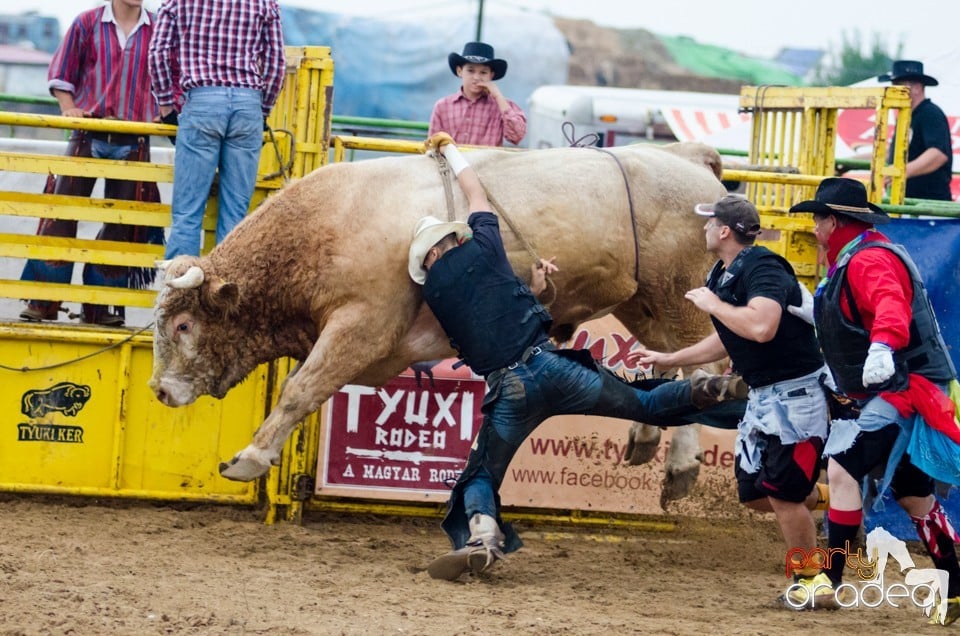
[
  {"x": 80, "y": 418},
  {"x": 792, "y": 150}
]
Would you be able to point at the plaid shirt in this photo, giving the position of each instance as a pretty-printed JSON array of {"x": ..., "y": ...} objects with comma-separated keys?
[
  {"x": 105, "y": 78},
  {"x": 478, "y": 123},
  {"x": 235, "y": 43}
]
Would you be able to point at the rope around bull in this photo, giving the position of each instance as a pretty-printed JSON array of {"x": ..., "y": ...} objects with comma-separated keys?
[
  {"x": 568, "y": 133},
  {"x": 445, "y": 176}
]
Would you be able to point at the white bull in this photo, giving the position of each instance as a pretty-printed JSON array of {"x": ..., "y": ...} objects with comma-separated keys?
[{"x": 319, "y": 273}]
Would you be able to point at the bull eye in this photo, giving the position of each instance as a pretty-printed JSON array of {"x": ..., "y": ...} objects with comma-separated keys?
[
  {"x": 182, "y": 328},
  {"x": 180, "y": 325}
]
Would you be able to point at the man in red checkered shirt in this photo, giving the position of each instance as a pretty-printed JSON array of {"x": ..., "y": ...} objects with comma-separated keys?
[
  {"x": 100, "y": 71},
  {"x": 227, "y": 57},
  {"x": 478, "y": 114}
]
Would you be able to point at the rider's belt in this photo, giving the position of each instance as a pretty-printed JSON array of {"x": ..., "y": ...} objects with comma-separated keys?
[
  {"x": 531, "y": 352},
  {"x": 528, "y": 353}
]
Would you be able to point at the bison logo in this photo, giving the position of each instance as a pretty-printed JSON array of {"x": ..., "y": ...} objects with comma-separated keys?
[{"x": 66, "y": 397}]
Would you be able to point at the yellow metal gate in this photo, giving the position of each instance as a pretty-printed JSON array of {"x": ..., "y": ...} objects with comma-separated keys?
[
  {"x": 793, "y": 149},
  {"x": 79, "y": 416}
]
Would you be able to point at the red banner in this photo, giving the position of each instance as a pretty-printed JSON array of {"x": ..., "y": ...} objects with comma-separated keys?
[{"x": 412, "y": 434}]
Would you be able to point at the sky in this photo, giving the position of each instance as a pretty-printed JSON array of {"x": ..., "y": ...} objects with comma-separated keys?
[{"x": 754, "y": 27}]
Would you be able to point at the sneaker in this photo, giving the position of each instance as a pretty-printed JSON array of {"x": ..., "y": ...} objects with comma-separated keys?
[
  {"x": 35, "y": 313},
  {"x": 810, "y": 594},
  {"x": 951, "y": 614},
  {"x": 31, "y": 315},
  {"x": 707, "y": 389}
]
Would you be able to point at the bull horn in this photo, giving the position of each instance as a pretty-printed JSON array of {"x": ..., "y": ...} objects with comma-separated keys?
[{"x": 191, "y": 279}]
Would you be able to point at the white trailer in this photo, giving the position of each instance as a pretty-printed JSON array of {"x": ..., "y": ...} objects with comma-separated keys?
[{"x": 619, "y": 116}]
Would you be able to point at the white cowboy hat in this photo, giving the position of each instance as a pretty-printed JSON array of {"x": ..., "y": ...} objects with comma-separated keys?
[{"x": 429, "y": 230}]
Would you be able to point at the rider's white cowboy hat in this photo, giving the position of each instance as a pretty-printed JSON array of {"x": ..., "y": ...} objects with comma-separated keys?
[{"x": 429, "y": 230}]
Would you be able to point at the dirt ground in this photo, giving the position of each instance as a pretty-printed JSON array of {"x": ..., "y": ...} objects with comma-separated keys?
[{"x": 87, "y": 567}]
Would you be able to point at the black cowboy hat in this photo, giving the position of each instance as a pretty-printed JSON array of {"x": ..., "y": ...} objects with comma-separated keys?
[
  {"x": 478, "y": 53},
  {"x": 908, "y": 70},
  {"x": 847, "y": 197}
]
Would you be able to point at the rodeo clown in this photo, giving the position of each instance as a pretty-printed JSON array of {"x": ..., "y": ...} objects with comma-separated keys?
[
  {"x": 882, "y": 343},
  {"x": 500, "y": 329}
]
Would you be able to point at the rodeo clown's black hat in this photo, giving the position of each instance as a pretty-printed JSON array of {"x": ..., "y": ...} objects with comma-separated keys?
[{"x": 847, "y": 197}]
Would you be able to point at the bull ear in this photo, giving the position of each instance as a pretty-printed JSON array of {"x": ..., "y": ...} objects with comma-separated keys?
[{"x": 222, "y": 296}]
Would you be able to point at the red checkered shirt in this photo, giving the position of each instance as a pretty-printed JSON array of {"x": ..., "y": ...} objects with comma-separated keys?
[
  {"x": 235, "y": 43},
  {"x": 478, "y": 123},
  {"x": 106, "y": 79}
]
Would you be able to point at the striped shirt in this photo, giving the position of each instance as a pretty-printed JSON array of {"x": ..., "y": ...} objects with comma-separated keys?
[
  {"x": 237, "y": 43},
  {"x": 105, "y": 71},
  {"x": 478, "y": 123}
]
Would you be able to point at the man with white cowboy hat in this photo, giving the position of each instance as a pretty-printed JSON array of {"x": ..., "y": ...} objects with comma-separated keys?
[
  {"x": 883, "y": 346},
  {"x": 930, "y": 153},
  {"x": 478, "y": 114},
  {"x": 500, "y": 329}
]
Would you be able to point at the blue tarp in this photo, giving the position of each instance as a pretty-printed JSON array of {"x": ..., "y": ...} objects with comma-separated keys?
[
  {"x": 934, "y": 246},
  {"x": 398, "y": 69}
]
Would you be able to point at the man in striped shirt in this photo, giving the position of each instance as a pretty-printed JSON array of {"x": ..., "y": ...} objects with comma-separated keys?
[
  {"x": 227, "y": 56},
  {"x": 100, "y": 70},
  {"x": 478, "y": 114}
]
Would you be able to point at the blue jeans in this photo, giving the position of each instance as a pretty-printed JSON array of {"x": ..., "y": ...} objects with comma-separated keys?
[
  {"x": 792, "y": 410},
  {"x": 546, "y": 385},
  {"x": 221, "y": 128}
]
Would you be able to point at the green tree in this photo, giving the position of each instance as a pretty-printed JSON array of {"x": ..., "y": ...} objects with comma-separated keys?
[{"x": 852, "y": 64}]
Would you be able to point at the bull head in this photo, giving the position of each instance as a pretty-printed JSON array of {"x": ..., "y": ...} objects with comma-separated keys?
[{"x": 191, "y": 317}]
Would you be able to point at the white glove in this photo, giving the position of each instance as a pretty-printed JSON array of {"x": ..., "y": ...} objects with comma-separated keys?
[
  {"x": 805, "y": 311},
  {"x": 879, "y": 365}
]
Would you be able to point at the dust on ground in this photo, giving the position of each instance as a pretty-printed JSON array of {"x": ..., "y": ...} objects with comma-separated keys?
[{"x": 86, "y": 566}]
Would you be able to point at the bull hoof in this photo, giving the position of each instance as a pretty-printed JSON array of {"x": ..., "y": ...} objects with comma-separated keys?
[
  {"x": 678, "y": 482},
  {"x": 643, "y": 443},
  {"x": 642, "y": 453},
  {"x": 243, "y": 469}
]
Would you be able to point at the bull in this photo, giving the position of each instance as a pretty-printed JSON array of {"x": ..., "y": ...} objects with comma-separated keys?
[{"x": 318, "y": 273}]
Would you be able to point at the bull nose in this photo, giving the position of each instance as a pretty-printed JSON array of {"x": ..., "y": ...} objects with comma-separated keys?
[{"x": 162, "y": 394}]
